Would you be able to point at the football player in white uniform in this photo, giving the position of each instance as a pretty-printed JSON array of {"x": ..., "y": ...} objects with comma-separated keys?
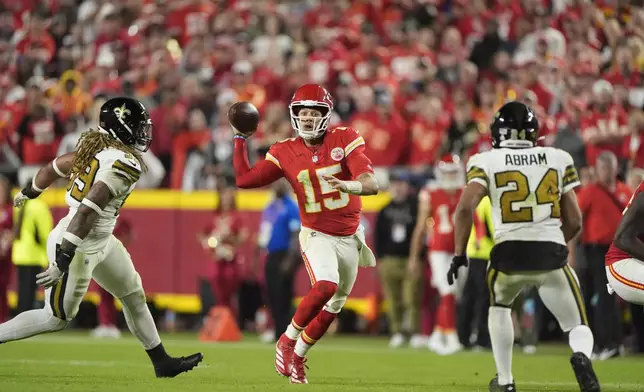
[
  {"x": 103, "y": 171},
  {"x": 535, "y": 214}
]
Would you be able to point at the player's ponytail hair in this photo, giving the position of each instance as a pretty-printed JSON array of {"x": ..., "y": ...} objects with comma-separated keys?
[{"x": 91, "y": 143}]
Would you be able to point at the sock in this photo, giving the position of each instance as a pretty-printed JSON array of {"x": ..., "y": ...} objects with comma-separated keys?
[
  {"x": 311, "y": 305},
  {"x": 139, "y": 320},
  {"x": 157, "y": 354},
  {"x": 447, "y": 314},
  {"x": 581, "y": 340},
  {"x": 314, "y": 332},
  {"x": 30, "y": 323},
  {"x": 502, "y": 337}
]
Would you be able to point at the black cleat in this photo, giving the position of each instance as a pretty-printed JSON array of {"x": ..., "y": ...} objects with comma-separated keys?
[
  {"x": 172, "y": 367},
  {"x": 495, "y": 387},
  {"x": 585, "y": 374}
]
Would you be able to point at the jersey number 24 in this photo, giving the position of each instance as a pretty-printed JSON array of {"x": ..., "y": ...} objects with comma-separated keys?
[{"x": 547, "y": 192}]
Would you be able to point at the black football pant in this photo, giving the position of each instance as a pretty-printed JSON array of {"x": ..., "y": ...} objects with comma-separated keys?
[
  {"x": 606, "y": 324},
  {"x": 474, "y": 305},
  {"x": 27, "y": 287},
  {"x": 279, "y": 285}
]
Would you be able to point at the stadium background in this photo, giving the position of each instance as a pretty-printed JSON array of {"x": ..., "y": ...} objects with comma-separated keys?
[{"x": 419, "y": 78}]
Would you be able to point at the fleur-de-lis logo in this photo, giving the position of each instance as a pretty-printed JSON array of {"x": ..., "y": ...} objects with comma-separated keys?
[{"x": 121, "y": 112}]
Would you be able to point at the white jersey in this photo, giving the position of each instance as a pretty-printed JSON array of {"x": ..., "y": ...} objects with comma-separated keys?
[
  {"x": 525, "y": 188},
  {"x": 119, "y": 171}
]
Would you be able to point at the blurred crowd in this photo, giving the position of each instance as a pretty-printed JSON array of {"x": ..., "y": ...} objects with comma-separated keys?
[{"x": 418, "y": 78}]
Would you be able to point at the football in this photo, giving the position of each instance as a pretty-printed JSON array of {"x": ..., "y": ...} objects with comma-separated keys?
[{"x": 244, "y": 117}]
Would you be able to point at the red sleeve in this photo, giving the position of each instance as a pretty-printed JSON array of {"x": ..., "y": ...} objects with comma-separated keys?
[
  {"x": 357, "y": 162},
  {"x": 262, "y": 174}
]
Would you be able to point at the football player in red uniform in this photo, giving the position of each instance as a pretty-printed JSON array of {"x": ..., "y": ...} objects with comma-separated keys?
[
  {"x": 328, "y": 171},
  {"x": 437, "y": 204},
  {"x": 625, "y": 257}
]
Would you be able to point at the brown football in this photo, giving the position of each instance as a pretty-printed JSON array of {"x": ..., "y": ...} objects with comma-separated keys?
[{"x": 244, "y": 117}]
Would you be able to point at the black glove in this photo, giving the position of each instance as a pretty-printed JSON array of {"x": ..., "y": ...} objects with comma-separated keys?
[
  {"x": 63, "y": 258},
  {"x": 457, "y": 262}
]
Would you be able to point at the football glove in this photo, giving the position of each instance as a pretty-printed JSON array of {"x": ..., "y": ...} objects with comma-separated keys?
[
  {"x": 27, "y": 193},
  {"x": 457, "y": 262},
  {"x": 50, "y": 277}
]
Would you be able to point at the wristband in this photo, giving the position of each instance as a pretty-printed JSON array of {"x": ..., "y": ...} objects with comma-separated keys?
[
  {"x": 238, "y": 136},
  {"x": 354, "y": 187}
]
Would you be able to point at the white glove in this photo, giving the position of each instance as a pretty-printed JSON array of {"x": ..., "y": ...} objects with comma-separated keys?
[
  {"x": 50, "y": 277},
  {"x": 19, "y": 199}
]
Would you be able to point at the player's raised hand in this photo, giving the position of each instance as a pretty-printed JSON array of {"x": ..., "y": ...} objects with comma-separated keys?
[{"x": 336, "y": 184}]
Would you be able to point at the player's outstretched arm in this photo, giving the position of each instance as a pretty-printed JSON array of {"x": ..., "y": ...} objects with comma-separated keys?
[
  {"x": 571, "y": 216},
  {"x": 58, "y": 168},
  {"x": 629, "y": 229},
  {"x": 262, "y": 174},
  {"x": 83, "y": 221}
]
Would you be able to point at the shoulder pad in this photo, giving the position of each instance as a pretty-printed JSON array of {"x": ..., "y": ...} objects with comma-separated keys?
[{"x": 121, "y": 163}]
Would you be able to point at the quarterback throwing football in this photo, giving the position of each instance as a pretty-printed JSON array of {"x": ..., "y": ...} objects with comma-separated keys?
[{"x": 328, "y": 171}]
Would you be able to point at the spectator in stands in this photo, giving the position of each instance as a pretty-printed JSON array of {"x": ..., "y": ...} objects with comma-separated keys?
[
  {"x": 6, "y": 238},
  {"x": 31, "y": 227},
  {"x": 601, "y": 204},
  {"x": 394, "y": 226}
]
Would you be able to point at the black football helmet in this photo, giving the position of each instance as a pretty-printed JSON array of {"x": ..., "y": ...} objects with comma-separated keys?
[
  {"x": 515, "y": 126},
  {"x": 127, "y": 120}
]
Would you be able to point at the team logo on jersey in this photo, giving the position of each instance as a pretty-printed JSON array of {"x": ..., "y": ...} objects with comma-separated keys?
[
  {"x": 337, "y": 154},
  {"x": 121, "y": 112}
]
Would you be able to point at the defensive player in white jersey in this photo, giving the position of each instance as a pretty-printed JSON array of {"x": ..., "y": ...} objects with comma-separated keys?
[
  {"x": 535, "y": 214},
  {"x": 103, "y": 171}
]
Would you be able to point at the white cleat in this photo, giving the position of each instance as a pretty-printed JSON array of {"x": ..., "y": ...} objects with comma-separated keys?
[
  {"x": 452, "y": 344},
  {"x": 530, "y": 349},
  {"x": 267, "y": 337},
  {"x": 397, "y": 341},
  {"x": 435, "y": 343},
  {"x": 418, "y": 341}
]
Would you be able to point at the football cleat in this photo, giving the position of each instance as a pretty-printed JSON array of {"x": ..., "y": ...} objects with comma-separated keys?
[
  {"x": 495, "y": 387},
  {"x": 584, "y": 372},
  {"x": 298, "y": 370},
  {"x": 172, "y": 367},
  {"x": 284, "y": 350}
]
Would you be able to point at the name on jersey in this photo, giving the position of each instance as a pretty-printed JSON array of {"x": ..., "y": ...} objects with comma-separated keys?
[{"x": 526, "y": 159}]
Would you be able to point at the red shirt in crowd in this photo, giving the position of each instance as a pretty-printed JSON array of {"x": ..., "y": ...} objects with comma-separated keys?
[
  {"x": 609, "y": 122},
  {"x": 426, "y": 139},
  {"x": 386, "y": 137},
  {"x": 602, "y": 210}
]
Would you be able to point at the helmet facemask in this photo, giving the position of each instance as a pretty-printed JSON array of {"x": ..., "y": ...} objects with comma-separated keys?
[
  {"x": 143, "y": 137},
  {"x": 310, "y": 126}
]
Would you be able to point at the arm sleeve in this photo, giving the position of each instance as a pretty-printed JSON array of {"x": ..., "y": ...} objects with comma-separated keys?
[
  {"x": 354, "y": 152},
  {"x": 476, "y": 171},
  {"x": 262, "y": 174},
  {"x": 570, "y": 178}
]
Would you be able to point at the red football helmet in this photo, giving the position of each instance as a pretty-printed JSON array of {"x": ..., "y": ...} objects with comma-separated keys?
[
  {"x": 315, "y": 97},
  {"x": 450, "y": 173}
]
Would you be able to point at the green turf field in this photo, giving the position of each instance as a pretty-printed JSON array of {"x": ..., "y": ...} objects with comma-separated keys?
[{"x": 73, "y": 362}]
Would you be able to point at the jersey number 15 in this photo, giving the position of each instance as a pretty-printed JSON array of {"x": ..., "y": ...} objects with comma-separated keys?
[
  {"x": 547, "y": 192},
  {"x": 312, "y": 205}
]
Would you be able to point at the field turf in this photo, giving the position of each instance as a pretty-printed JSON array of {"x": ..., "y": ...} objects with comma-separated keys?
[{"x": 73, "y": 362}]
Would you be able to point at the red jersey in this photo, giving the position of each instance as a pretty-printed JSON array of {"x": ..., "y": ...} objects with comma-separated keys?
[
  {"x": 442, "y": 205},
  {"x": 426, "y": 138},
  {"x": 341, "y": 155},
  {"x": 615, "y": 254},
  {"x": 223, "y": 233},
  {"x": 605, "y": 123}
]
